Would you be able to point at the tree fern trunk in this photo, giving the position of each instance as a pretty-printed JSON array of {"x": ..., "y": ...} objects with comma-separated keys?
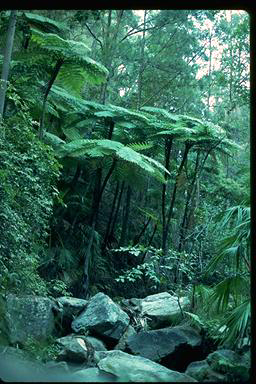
[
  {"x": 48, "y": 88},
  {"x": 125, "y": 223},
  {"x": 138, "y": 237},
  {"x": 190, "y": 195},
  {"x": 168, "y": 146},
  {"x": 111, "y": 216},
  {"x": 7, "y": 60},
  {"x": 170, "y": 212},
  {"x": 111, "y": 235}
]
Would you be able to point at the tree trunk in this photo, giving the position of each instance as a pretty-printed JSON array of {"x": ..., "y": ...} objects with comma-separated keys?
[
  {"x": 142, "y": 61},
  {"x": 111, "y": 216},
  {"x": 168, "y": 146},
  {"x": 138, "y": 237},
  {"x": 188, "y": 201},
  {"x": 7, "y": 60},
  {"x": 111, "y": 235},
  {"x": 126, "y": 215},
  {"x": 170, "y": 212},
  {"x": 48, "y": 88},
  {"x": 209, "y": 74}
]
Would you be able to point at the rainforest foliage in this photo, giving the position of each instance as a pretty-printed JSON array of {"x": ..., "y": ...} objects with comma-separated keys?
[{"x": 124, "y": 158}]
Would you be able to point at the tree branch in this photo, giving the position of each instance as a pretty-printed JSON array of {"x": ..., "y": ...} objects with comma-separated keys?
[{"x": 95, "y": 37}]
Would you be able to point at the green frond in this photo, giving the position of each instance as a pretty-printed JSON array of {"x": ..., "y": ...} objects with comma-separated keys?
[
  {"x": 140, "y": 146},
  {"x": 64, "y": 101},
  {"x": 132, "y": 115},
  {"x": 230, "y": 288},
  {"x": 101, "y": 148},
  {"x": 44, "y": 23},
  {"x": 72, "y": 52},
  {"x": 237, "y": 323},
  {"x": 53, "y": 140},
  {"x": 162, "y": 112},
  {"x": 72, "y": 133}
]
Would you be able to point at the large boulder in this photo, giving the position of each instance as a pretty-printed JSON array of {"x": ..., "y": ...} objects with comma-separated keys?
[
  {"x": 201, "y": 371},
  {"x": 128, "y": 368},
  {"x": 163, "y": 309},
  {"x": 97, "y": 344},
  {"x": 231, "y": 364},
  {"x": 28, "y": 317},
  {"x": 65, "y": 311},
  {"x": 70, "y": 307},
  {"x": 91, "y": 375},
  {"x": 173, "y": 347},
  {"x": 102, "y": 317},
  {"x": 122, "y": 344},
  {"x": 75, "y": 349},
  {"x": 16, "y": 367}
]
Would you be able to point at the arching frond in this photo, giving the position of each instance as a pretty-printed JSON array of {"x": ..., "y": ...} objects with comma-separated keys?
[
  {"x": 43, "y": 23},
  {"x": 101, "y": 148},
  {"x": 140, "y": 146},
  {"x": 161, "y": 112},
  {"x": 72, "y": 52}
]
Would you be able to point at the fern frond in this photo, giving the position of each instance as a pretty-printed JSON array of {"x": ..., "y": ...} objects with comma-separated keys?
[
  {"x": 140, "y": 146},
  {"x": 72, "y": 52},
  {"x": 44, "y": 23},
  {"x": 162, "y": 112},
  {"x": 101, "y": 148}
]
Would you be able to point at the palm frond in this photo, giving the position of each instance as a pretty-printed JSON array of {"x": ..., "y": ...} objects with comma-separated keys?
[
  {"x": 230, "y": 288},
  {"x": 237, "y": 323}
]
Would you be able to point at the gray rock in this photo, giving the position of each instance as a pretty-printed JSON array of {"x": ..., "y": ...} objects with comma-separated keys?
[
  {"x": 103, "y": 317},
  {"x": 163, "y": 343},
  {"x": 128, "y": 368},
  {"x": 70, "y": 307},
  {"x": 15, "y": 368},
  {"x": 28, "y": 316},
  {"x": 57, "y": 366},
  {"x": 162, "y": 309},
  {"x": 122, "y": 344},
  {"x": 97, "y": 344},
  {"x": 92, "y": 375},
  {"x": 201, "y": 371},
  {"x": 229, "y": 363},
  {"x": 75, "y": 349}
]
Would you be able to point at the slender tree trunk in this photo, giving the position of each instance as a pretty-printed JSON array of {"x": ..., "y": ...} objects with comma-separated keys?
[
  {"x": 188, "y": 201},
  {"x": 126, "y": 215},
  {"x": 138, "y": 237},
  {"x": 48, "y": 88},
  {"x": 150, "y": 242},
  {"x": 142, "y": 61},
  {"x": 111, "y": 216},
  {"x": 209, "y": 74},
  {"x": 168, "y": 146},
  {"x": 7, "y": 60},
  {"x": 170, "y": 211},
  {"x": 111, "y": 235}
]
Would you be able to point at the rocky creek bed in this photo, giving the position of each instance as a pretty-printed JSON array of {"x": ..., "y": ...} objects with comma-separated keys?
[{"x": 99, "y": 340}]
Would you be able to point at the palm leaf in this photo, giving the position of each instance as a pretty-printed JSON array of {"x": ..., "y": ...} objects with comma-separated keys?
[
  {"x": 237, "y": 323},
  {"x": 231, "y": 287}
]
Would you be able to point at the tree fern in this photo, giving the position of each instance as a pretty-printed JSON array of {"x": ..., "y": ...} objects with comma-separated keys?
[
  {"x": 161, "y": 112},
  {"x": 101, "y": 148},
  {"x": 43, "y": 23},
  {"x": 72, "y": 52}
]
